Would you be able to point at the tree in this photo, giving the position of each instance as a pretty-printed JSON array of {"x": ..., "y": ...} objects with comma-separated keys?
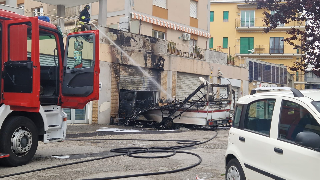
[{"x": 308, "y": 40}]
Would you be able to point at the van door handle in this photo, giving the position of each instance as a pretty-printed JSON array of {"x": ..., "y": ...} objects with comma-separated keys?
[
  {"x": 242, "y": 139},
  {"x": 278, "y": 150}
]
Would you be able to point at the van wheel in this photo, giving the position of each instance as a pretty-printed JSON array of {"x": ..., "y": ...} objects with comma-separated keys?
[
  {"x": 234, "y": 170},
  {"x": 19, "y": 139}
]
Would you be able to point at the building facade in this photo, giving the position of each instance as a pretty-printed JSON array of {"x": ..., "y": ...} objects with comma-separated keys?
[
  {"x": 165, "y": 40},
  {"x": 237, "y": 29}
]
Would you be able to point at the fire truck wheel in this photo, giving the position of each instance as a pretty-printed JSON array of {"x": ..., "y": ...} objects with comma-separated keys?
[{"x": 19, "y": 139}]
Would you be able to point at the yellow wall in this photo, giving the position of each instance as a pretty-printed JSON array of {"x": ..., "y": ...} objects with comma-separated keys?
[{"x": 220, "y": 29}]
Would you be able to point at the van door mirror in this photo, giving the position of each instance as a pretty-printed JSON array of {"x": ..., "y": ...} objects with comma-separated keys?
[{"x": 308, "y": 139}]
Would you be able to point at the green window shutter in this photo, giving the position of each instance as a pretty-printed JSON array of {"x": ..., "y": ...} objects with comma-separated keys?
[
  {"x": 225, "y": 43},
  {"x": 211, "y": 16},
  {"x": 225, "y": 15},
  {"x": 251, "y": 43},
  {"x": 246, "y": 44},
  {"x": 211, "y": 43}
]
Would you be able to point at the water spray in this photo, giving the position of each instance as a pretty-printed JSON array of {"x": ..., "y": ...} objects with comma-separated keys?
[{"x": 133, "y": 62}]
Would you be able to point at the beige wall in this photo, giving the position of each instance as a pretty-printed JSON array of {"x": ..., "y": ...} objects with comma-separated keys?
[
  {"x": 204, "y": 68},
  {"x": 143, "y": 6},
  {"x": 146, "y": 29},
  {"x": 202, "y": 42},
  {"x": 179, "y": 11},
  {"x": 203, "y": 14},
  {"x": 182, "y": 64},
  {"x": 118, "y": 6},
  {"x": 29, "y": 4},
  {"x": 94, "y": 8}
]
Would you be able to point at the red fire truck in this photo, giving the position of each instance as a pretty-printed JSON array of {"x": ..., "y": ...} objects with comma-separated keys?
[{"x": 39, "y": 77}]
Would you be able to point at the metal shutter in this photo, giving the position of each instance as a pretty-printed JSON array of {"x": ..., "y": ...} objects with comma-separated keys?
[
  {"x": 186, "y": 84},
  {"x": 267, "y": 73},
  {"x": 277, "y": 74},
  {"x": 193, "y": 9},
  {"x": 281, "y": 75},
  {"x": 131, "y": 78},
  {"x": 255, "y": 71},
  {"x": 285, "y": 76},
  {"x": 273, "y": 73},
  {"x": 250, "y": 70},
  {"x": 160, "y": 3}
]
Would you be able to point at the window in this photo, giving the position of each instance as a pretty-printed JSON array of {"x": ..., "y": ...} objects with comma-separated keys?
[
  {"x": 211, "y": 16},
  {"x": 160, "y": 3},
  {"x": 37, "y": 11},
  {"x": 295, "y": 119},
  {"x": 259, "y": 115},
  {"x": 192, "y": 46},
  {"x": 21, "y": 6},
  {"x": 247, "y": 18},
  {"x": 236, "y": 120},
  {"x": 193, "y": 9},
  {"x": 158, "y": 34},
  {"x": 47, "y": 49},
  {"x": 246, "y": 45},
  {"x": 225, "y": 16},
  {"x": 276, "y": 45},
  {"x": 80, "y": 50},
  {"x": 211, "y": 43},
  {"x": 279, "y": 24},
  {"x": 225, "y": 42}
]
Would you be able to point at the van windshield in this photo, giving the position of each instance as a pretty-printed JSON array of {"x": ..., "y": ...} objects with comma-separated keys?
[{"x": 317, "y": 105}]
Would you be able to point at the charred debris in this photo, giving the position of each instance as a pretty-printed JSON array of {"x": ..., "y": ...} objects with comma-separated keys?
[{"x": 135, "y": 108}]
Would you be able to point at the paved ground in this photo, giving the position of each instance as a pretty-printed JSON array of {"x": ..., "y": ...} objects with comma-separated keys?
[{"x": 84, "y": 143}]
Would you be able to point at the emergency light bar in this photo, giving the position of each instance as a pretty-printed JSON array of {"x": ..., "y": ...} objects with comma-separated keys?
[{"x": 296, "y": 92}]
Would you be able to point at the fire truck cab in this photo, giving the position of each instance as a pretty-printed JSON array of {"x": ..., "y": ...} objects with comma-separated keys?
[{"x": 39, "y": 77}]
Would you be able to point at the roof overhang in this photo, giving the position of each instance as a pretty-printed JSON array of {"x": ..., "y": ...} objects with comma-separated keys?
[{"x": 68, "y": 3}]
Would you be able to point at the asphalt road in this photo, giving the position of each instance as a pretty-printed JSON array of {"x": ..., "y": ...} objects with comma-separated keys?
[{"x": 84, "y": 142}]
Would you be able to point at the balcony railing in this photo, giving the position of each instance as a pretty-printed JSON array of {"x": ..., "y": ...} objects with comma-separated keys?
[
  {"x": 310, "y": 77},
  {"x": 266, "y": 49},
  {"x": 259, "y": 23}
]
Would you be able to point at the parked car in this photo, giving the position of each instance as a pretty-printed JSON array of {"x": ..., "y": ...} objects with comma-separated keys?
[{"x": 275, "y": 135}]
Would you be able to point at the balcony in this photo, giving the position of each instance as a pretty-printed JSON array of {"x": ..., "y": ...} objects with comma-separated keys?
[
  {"x": 311, "y": 78},
  {"x": 257, "y": 25},
  {"x": 265, "y": 52}
]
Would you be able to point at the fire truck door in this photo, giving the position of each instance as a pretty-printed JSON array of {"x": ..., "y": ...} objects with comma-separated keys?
[
  {"x": 80, "y": 83},
  {"x": 21, "y": 67}
]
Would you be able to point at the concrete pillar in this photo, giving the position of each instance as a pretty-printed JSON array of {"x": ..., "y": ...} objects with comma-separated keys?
[
  {"x": 169, "y": 79},
  {"x": 102, "y": 18},
  {"x": 128, "y": 7},
  {"x": 61, "y": 12},
  {"x": 12, "y": 3},
  {"x": 104, "y": 102}
]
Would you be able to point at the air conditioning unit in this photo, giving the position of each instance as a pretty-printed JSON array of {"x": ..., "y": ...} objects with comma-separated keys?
[{"x": 186, "y": 36}]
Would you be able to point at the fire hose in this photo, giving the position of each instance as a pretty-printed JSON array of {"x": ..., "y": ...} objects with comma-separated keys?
[{"x": 133, "y": 152}]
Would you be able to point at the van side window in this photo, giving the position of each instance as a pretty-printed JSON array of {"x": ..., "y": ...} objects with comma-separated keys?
[
  {"x": 237, "y": 116},
  {"x": 295, "y": 119},
  {"x": 258, "y": 116}
]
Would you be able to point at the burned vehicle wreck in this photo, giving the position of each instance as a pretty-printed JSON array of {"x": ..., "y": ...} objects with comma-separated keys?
[{"x": 205, "y": 107}]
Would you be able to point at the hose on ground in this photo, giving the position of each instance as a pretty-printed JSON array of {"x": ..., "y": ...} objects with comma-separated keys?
[{"x": 132, "y": 152}]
